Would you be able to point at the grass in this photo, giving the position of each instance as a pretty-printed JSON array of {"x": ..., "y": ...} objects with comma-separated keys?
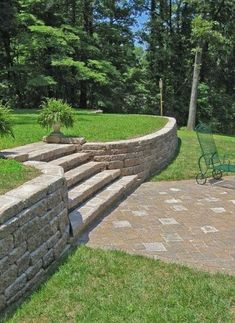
[
  {"x": 94, "y": 127},
  {"x": 185, "y": 164},
  {"x": 111, "y": 286},
  {"x": 100, "y": 127},
  {"x": 13, "y": 174}
]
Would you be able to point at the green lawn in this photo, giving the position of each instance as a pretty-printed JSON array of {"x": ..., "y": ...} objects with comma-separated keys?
[
  {"x": 110, "y": 286},
  {"x": 94, "y": 127},
  {"x": 13, "y": 174},
  {"x": 185, "y": 164}
]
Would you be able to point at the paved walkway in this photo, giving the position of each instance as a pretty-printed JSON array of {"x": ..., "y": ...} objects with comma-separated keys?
[{"x": 174, "y": 221}]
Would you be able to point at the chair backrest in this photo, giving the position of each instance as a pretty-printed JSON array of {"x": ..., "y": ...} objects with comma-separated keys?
[{"x": 207, "y": 144}]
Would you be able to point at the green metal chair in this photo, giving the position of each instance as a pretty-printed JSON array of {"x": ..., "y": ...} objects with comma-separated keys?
[{"x": 210, "y": 160}]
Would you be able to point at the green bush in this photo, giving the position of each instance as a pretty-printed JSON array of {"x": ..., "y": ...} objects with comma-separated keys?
[
  {"x": 5, "y": 120},
  {"x": 56, "y": 114}
]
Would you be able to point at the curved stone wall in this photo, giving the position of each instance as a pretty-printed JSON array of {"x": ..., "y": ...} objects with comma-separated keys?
[
  {"x": 142, "y": 156},
  {"x": 34, "y": 232},
  {"x": 34, "y": 222}
]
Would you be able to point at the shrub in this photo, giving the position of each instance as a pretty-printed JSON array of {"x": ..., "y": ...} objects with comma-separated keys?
[
  {"x": 56, "y": 114},
  {"x": 5, "y": 120}
]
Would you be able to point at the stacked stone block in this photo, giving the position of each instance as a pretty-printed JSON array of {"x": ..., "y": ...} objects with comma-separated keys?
[
  {"x": 34, "y": 232},
  {"x": 141, "y": 156},
  {"x": 34, "y": 221}
]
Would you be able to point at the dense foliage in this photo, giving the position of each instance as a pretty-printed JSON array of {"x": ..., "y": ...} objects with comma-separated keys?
[
  {"x": 5, "y": 121},
  {"x": 92, "y": 54}
]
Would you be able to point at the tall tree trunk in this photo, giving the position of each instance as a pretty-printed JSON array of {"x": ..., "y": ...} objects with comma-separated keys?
[
  {"x": 83, "y": 95},
  {"x": 73, "y": 18},
  {"x": 7, "y": 47},
  {"x": 152, "y": 45},
  {"x": 72, "y": 89},
  {"x": 88, "y": 27},
  {"x": 12, "y": 77},
  {"x": 194, "y": 91},
  {"x": 153, "y": 16},
  {"x": 170, "y": 15},
  {"x": 88, "y": 16},
  {"x": 205, "y": 67}
]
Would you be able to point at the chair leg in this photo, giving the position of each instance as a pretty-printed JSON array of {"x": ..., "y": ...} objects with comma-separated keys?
[
  {"x": 201, "y": 178},
  {"x": 217, "y": 174}
]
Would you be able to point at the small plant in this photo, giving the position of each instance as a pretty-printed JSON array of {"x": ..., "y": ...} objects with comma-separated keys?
[
  {"x": 5, "y": 120},
  {"x": 56, "y": 114}
]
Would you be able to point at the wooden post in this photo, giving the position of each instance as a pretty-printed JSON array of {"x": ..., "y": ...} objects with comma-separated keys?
[{"x": 161, "y": 96}]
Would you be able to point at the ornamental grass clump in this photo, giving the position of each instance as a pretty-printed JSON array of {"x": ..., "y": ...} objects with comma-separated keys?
[
  {"x": 56, "y": 114},
  {"x": 5, "y": 120}
]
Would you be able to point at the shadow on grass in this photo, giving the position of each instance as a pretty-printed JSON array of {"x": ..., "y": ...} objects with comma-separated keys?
[
  {"x": 6, "y": 154},
  {"x": 171, "y": 162},
  {"x": 10, "y": 311}
]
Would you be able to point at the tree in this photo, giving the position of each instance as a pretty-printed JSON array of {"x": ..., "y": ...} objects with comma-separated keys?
[
  {"x": 203, "y": 33},
  {"x": 8, "y": 29},
  {"x": 87, "y": 54},
  {"x": 5, "y": 122}
]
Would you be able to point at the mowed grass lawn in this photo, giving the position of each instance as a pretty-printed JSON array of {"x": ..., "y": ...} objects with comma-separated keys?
[
  {"x": 111, "y": 286},
  {"x": 106, "y": 127},
  {"x": 185, "y": 165},
  {"x": 13, "y": 174},
  {"x": 94, "y": 127}
]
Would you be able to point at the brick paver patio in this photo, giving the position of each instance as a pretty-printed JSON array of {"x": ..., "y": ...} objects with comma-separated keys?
[{"x": 174, "y": 221}]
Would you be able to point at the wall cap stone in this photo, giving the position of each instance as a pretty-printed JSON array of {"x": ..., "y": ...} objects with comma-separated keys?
[
  {"x": 30, "y": 216},
  {"x": 32, "y": 191}
]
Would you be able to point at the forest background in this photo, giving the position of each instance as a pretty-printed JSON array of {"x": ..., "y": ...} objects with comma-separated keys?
[{"x": 97, "y": 54}]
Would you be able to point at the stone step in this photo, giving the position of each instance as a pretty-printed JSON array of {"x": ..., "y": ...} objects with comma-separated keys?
[
  {"x": 83, "y": 191},
  {"x": 81, "y": 217},
  {"x": 83, "y": 172},
  {"x": 70, "y": 161},
  {"x": 51, "y": 151}
]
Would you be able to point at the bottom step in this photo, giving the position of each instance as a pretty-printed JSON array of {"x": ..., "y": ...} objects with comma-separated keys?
[{"x": 84, "y": 215}]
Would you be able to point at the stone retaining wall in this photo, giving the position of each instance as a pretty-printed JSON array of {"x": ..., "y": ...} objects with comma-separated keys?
[
  {"x": 34, "y": 232},
  {"x": 34, "y": 223},
  {"x": 142, "y": 156}
]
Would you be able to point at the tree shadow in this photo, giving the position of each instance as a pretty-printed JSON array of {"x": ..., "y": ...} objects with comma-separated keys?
[
  {"x": 171, "y": 161},
  {"x": 83, "y": 237}
]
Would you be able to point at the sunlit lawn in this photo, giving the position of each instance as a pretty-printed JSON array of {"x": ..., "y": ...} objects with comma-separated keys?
[
  {"x": 110, "y": 286},
  {"x": 94, "y": 127},
  {"x": 185, "y": 165},
  {"x": 13, "y": 174}
]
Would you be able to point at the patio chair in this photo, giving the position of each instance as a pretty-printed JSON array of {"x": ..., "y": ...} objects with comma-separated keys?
[{"x": 210, "y": 159}]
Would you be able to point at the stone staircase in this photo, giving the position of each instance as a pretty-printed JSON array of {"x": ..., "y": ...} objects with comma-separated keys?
[{"x": 92, "y": 189}]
